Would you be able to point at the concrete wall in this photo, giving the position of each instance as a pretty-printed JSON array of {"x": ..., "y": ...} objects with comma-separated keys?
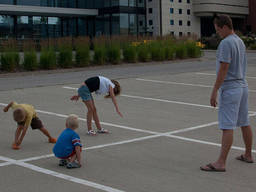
[{"x": 232, "y": 7}]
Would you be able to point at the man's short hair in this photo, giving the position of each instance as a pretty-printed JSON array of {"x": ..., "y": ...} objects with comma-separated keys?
[
  {"x": 72, "y": 121},
  {"x": 221, "y": 20}
]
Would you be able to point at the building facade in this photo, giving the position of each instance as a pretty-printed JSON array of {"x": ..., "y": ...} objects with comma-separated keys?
[
  {"x": 186, "y": 17},
  {"x": 251, "y": 22},
  {"x": 59, "y": 18}
]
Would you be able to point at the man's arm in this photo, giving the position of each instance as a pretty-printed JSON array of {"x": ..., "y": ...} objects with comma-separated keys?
[
  {"x": 219, "y": 80},
  {"x": 7, "y": 107}
]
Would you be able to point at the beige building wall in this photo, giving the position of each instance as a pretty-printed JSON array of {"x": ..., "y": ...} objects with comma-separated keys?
[
  {"x": 236, "y": 8},
  {"x": 162, "y": 13},
  {"x": 161, "y": 16}
]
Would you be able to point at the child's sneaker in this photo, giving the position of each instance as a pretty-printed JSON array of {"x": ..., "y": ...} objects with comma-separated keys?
[
  {"x": 73, "y": 165},
  {"x": 91, "y": 132},
  {"x": 102, "y": 130},
  {"x": 52, "y": 140},
  {"x": 63, "y": 162}
]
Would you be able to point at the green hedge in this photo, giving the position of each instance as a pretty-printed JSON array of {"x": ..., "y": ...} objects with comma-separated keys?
[
  {"x": 10, "y": 61},
  {"x": 30, "y": 61},
  {"x": 48, "y": 59}
]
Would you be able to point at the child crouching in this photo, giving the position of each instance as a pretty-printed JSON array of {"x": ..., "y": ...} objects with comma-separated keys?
[{"x": 68, "y": 147}]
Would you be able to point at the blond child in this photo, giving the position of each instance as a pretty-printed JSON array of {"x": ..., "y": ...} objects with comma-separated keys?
[
  {"x": 99, "y": 85},
  {"x": 25, "y": 115},
  {"x": 68, "y": 147}
]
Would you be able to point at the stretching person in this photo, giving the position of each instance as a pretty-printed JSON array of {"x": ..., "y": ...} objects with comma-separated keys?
[{"x": 99, "y": 85}]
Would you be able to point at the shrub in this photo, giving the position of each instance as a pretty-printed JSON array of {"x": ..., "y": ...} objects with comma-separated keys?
[
  {"x": 82, "y": 56},
  {"x": 193, "y": 50},
  {"x": 99, "y": 55},
  {"x": 48, "y": 59},
  {"x": 157, "y": 51},
  {"x": 65, "y": 57},
  {"x": 30, "y": 61},
  {"x": 181, "y": 51},
  {"x": 113, "y": 53},
  {"x": 253, "y": 46},
  {"x": 169, "y": 52},
  {"x": 129, "y": 54},
  {"x": 10, "y": 61},
  {"x": 143, "y": 53}
]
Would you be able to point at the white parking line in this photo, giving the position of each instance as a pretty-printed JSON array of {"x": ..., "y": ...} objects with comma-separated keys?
[
  {"x": 185, "y": 84},
  {"x": 172, "y": 82},
  {"x": 160, "y": 100},
  {"x": 212, "y": 74},
  {"x": 62, "y": 176}
]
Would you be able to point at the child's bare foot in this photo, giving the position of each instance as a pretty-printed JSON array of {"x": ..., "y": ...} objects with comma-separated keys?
[
  {"x": 52, "y": 140},
  {"x": 15, "y": 147}
]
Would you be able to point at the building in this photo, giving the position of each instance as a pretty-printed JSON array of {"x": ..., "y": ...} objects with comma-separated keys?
[
  {"x": 186, "y": 17},
  {"x": 59, "y": 18},
  {"x": 251, "y": 24}
]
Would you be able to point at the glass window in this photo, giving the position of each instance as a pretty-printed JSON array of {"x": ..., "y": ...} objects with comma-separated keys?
[
  {"x": 115, "y": 3},
  {"x": 180, "y": 22},
  {"x": 150, "y": 22},
  {"x": 32, "y": 2},
  {"x": 171, "y": 0},
  {"x": 6, "y": 26},
  {"x": 81, "y": 27},
  {"x": 124, "y": 25},
  {"x": 141, "y": 3},
  {"x": 171, "y": 22},
  {"x": 180, "y": 11},
  {"x": 142, "y": 24},
  {"x": 54, "y": 27},
  {"x": 132, "y": 3},
  {"x": 6, "y": 2},
  {"x": 22, "y": 20},
  {"x": 132, "y": 24},
  {"x": 180, "y": 34},
  {"x": 115, "y": 24},
  {"x": 180, "y": 1},
  {"x": 188, "y": 11},
  {"x": 39, "y": 29},
  {"x": 24, "y": 27},
  {"x": 150, "y": 10},
  {"x": 123, "y": 3},
  {"x": 188, "y": 23},
  {"x": 171, "y": 10},
  {"x": 107, "y": 24},
  {"x": 188, "y": 1}
]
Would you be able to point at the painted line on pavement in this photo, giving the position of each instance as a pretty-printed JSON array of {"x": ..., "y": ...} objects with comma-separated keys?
[
  {"x": 61, "y": 176},
  {"x": 186, "y": 84}
]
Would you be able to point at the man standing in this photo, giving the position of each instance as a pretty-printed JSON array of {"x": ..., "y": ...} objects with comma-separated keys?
[{"x": 231, "y": 67}]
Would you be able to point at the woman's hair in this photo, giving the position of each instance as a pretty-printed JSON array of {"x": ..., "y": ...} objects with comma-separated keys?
[
  {"x": 221, "y": 20},
  {"x": 72, "y": 121},
  {"x": 19, "y": 115},
  {"x": 116, "y": 89}
]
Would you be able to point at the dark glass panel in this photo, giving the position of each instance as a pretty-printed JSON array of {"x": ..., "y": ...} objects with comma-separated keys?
[
  {"x": 6, "y": 26},
  {"x": 82, "y": 27},
  {"x": 6, "y": 2},
  {"x": 32, "y": 2},
  {"x": 124, "y": 25},
  {"x": 115, "y": 26},
  {"x": 54, "y": 27}
]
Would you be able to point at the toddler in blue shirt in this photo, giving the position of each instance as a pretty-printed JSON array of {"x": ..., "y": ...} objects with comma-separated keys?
[{"x": 68, "y": 147}]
